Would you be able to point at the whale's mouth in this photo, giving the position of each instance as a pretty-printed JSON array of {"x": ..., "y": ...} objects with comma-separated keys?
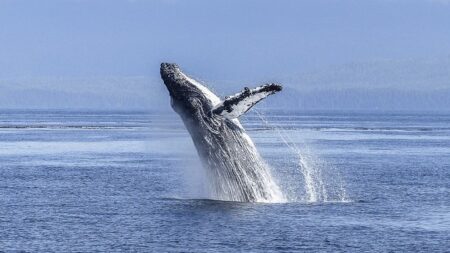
[
  {"x": 168, "y": 69},
  {"x": 170, "y": 73}
]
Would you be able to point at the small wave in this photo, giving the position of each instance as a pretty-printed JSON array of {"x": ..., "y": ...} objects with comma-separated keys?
[
  {"x": 381, "y": 129},
  {"x": 200, "y": 199},
  {"x": 66, "y": 127},
  {"x": 353, "y": 129},
  {"x": 220, "y": 200}
]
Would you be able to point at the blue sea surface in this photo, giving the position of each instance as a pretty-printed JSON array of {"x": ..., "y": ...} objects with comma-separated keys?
[{"x": 74, "y": 181}]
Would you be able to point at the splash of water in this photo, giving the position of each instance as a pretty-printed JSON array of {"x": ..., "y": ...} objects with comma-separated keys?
[
  {"x": 234, "y": 168},
  {"x": 247, "y": 178},
  {"x": 317, "y": 186}
]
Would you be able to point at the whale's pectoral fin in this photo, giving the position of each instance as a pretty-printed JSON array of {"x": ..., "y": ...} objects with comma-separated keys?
[{"x": 238, "y": 104}]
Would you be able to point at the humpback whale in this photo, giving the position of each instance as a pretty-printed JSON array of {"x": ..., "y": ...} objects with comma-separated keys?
[{"x": 234, "y": 167}]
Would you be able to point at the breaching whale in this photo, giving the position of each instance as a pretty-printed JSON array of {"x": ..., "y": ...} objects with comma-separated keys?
[{"x": 234, "y": 167}]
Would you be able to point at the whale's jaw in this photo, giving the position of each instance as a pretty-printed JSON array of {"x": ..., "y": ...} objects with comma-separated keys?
[{"x": 185, "y": 91}]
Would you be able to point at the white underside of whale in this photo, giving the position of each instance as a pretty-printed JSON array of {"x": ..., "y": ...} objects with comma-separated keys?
[{"x": 215, "y": 100}]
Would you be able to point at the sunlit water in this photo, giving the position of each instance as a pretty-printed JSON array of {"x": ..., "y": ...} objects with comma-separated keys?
[{"x": 77, "y": 181}]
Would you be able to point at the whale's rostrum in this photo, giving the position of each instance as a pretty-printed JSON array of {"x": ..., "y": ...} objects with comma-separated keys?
[{"x": 234, "y": 167}]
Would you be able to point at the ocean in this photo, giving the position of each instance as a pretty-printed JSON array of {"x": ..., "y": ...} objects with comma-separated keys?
[{"x": 86, "y": 181}]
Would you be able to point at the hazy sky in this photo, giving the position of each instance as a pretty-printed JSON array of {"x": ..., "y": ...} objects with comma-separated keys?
[
  {"x": 78, "y": 38},
  {"x": 217, "y": 40}
]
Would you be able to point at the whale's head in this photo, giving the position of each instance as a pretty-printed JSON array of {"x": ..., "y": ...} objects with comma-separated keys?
[{"x": 189, "y": 98}]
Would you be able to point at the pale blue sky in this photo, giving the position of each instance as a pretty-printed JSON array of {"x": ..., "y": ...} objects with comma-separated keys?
[
  {"x": 80, "y": 38},
  {"x": 219, "y": 40}
]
